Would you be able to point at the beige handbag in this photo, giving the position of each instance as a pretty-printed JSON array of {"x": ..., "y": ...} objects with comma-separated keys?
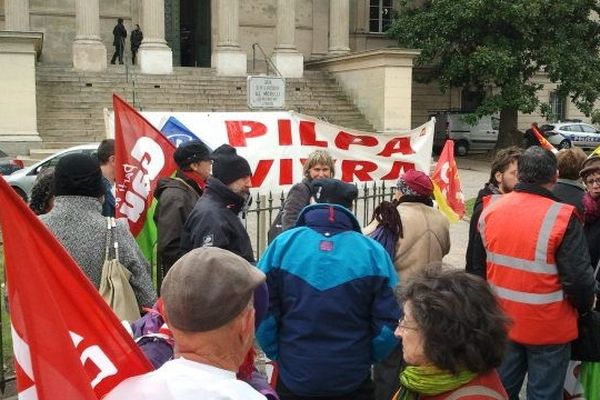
[{"x": 114, "y": 283}]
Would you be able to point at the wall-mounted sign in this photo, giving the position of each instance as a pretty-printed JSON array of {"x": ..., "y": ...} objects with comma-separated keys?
[{"x": 266, "y": 92}]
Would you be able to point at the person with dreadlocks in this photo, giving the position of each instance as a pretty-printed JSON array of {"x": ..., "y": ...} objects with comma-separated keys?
[{"x": 414, "y": 234}]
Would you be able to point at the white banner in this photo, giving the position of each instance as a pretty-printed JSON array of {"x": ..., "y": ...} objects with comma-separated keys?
[{"x": 277, "y": 143}]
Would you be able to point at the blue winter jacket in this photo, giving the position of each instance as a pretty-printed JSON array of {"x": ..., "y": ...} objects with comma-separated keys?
[{"x": 332, "y": 310}]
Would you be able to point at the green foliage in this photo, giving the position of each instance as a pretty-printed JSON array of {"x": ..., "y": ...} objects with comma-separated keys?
[{"x": 498, "y": 46}]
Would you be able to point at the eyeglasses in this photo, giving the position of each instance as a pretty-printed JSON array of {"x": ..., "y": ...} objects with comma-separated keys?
[
  {"x": 402, "y": 325},
  {"x": 592, "y": 182}
]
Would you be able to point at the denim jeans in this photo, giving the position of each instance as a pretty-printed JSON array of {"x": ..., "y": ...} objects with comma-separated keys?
[{"x": 545, "y": 366}]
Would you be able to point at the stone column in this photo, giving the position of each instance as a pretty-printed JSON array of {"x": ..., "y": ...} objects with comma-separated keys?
[
  {"x": 229, "y": 59},
  {"x": 154, "y": 54},
  {"x": 18, "y": 125},
  {"x": 320, "y": 29},
  {"x": 339, "y": 27},
  {"x": 16, "y": 14},
  {"x": 286, "y": 58},
  {"x": 89, "y": 53}
]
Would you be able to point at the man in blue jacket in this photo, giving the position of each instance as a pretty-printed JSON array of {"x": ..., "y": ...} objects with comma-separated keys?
[{"x": 332, "y": 309}]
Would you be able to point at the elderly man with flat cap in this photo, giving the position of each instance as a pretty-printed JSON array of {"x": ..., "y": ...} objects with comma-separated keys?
[
  {"x": 207, "y": 297},
  {"x": 176, "y": 198}
]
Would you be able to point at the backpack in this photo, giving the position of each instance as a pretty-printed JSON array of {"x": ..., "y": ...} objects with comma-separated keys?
[{"x": 385, "y": 237}]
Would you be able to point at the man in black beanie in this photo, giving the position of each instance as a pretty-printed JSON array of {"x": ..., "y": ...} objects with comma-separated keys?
[
  {"x": 214, "y": 220},
  {"x": 176, "y": 198}
]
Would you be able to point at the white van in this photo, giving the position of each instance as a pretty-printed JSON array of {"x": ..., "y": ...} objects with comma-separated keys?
[{"x": 480, "y": 136}]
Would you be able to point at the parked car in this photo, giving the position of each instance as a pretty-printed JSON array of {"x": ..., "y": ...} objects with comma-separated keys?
[
  {"x": 8, "y": 164},
  {"x": 563, "y": 135},
  {"x": 481, "y": 135},
  {"x": 22, "y": 180}
]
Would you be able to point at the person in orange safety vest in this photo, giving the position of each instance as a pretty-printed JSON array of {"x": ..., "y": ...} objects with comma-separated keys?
[{"x": 538, "y": 265}]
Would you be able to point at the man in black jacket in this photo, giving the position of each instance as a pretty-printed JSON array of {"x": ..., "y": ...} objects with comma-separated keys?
[
  {"x": 119, "y": 35},
  {"x": 136, "y": 40},
  {"x": 503, "y": 178},
  {"x": 176, "y": 198},
  {"x": 214, "y": 220}
]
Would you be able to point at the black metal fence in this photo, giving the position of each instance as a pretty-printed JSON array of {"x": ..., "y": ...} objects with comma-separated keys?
[
  {"x": 266, "y": 207},
  {"x": 258, "y": 221}
]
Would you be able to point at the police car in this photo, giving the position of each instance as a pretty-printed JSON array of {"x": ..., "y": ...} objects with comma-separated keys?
[{"x": 563, "y": 135}]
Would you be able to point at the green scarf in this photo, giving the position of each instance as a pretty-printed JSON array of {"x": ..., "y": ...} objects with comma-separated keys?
[{"x": 429, "y": 381}]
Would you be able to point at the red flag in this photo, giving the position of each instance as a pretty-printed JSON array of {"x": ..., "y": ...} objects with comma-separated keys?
[
  {"x": 447, "y": 188},
  {"x": 544, "y": 143},
  {"x": 142, "y": 156},
  {"x": 68, "y": 344}
]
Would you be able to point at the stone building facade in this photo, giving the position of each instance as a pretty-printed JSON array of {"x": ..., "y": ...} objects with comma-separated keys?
[{"x": 342, "y": 36}]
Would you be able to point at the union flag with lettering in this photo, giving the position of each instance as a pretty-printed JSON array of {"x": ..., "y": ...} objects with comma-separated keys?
[
  {"x": 447, "y": 189},
  {"x": 68, "y": 343},
  {"x": 143, "y": 155}
]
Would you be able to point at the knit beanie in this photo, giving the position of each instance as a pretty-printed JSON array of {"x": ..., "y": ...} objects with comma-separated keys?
[
  {"x": 228, "y": 166},
  {"x": 191, "y": 152},
  {"x": 415, "y": 183},
  {"x": 333, "y": 191},
  {"x": 78, "y": 174}
]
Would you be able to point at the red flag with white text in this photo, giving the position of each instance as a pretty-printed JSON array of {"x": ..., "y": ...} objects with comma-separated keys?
[
  {"x": 143, "y": 155},
  {"x": 446, "y": 182},
  {"x": 68, "y": 343}
]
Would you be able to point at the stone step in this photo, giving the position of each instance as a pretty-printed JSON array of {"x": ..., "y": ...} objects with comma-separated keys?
[{"x": 70, "y": 103}]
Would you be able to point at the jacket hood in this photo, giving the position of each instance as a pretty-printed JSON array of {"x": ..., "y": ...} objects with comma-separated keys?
[{"x": 337, "y": 218}]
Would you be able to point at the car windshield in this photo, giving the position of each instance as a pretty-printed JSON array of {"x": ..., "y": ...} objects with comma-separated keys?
[{"x": 547, "y": 127}]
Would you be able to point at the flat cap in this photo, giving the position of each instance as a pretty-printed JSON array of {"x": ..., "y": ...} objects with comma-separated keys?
[{"x": 207, "y": 288}]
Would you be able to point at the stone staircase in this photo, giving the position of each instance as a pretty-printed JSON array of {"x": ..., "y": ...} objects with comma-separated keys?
[{"x": 70, "y": 104}]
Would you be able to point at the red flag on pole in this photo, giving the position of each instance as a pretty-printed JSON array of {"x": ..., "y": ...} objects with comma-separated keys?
[
  {"x": 142, "y": 156},
  {"x": 544, "y": 143},
  {"x": 446, "y": 183},
  {"x": 68, "y": 344}
]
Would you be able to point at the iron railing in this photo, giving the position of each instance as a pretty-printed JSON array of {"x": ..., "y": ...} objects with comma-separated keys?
[
  {"x": 258, "y": 220},
  {"x": 267, "y": 59}
]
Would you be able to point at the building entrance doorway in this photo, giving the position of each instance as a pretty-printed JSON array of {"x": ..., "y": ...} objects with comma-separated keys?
[{"x": 188, "y": 31}]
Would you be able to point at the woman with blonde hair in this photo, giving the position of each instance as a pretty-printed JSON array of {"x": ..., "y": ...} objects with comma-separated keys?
[{"x": 318, "y": 165}]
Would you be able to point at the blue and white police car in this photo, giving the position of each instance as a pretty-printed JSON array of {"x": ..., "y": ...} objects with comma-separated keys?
[{"x": 563, "y": 135}]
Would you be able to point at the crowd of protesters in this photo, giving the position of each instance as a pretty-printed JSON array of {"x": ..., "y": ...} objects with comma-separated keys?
[{"x": 344, "y": 311}]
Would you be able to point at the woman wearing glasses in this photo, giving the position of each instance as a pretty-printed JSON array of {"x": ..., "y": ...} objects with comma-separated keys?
[
  {"x": 589, "y": 372},
  {"x": 590, "y": 175},
  {"x": 454, "y": 335}
]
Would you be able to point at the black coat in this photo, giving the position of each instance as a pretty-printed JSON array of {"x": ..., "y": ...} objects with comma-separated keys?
[
  {"x": 176, "y": 198},
  {"x": 136, "y": 38},
  {"x": 475, "y": 257},
  {"x": 592, "y": 234},
  {"x": 214, "y": 222},
  {"x": 570, "y": 192},
  {"x": 119, "y": 34}
]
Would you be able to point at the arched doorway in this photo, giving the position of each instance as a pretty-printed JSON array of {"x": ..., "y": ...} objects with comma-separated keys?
[{"x": 188, "y": 31}]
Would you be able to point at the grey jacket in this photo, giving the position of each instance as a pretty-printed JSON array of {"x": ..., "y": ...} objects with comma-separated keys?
[
  {"x": 298, "y": 197},
  {"x": 78, "y": 224}
]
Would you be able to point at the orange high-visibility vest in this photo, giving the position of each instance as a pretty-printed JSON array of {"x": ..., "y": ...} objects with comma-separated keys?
[{"x": 521, "y": 233}]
